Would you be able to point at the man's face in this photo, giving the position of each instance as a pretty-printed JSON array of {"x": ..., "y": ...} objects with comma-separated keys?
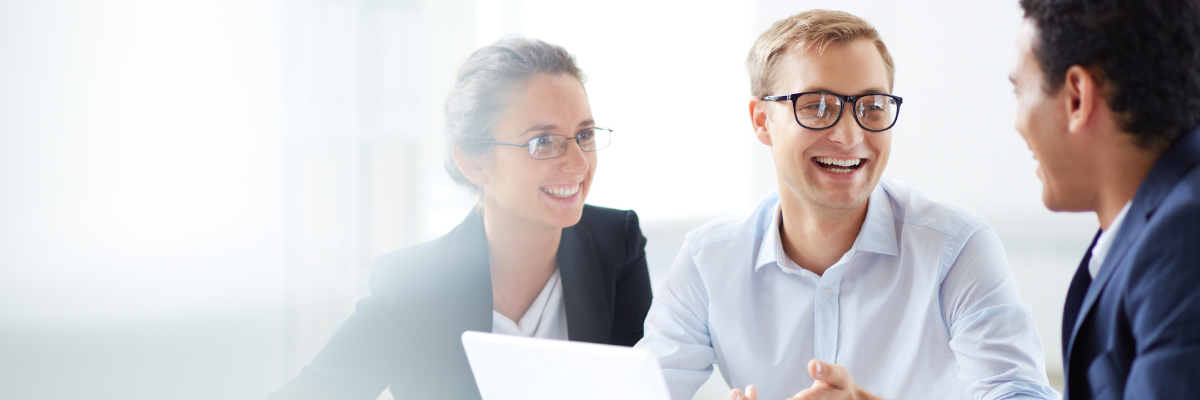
[
  {"x": 807, "y": 160},
  {"x": 1042, "y": 122}
]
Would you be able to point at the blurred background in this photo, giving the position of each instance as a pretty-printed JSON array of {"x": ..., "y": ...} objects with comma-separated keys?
[{"x": 191, "y": 192}]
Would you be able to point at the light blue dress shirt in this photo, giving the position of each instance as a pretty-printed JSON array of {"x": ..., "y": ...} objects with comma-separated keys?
[{"x": 923, "y": 306}]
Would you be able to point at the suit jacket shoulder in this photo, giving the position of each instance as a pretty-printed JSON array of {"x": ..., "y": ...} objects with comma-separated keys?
[
  {"x": 405, "y": 269},
  {"x": 614, "y": 230},
  {"x": 1135, "y": 333}
]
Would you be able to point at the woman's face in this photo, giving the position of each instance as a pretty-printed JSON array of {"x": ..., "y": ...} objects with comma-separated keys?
[{"x": 543, "y": 192}]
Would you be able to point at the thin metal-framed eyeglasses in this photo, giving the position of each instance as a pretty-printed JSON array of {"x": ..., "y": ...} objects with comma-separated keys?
[
  {"x": 875, "y": 112},
  {"x": 545, "y": 147}
]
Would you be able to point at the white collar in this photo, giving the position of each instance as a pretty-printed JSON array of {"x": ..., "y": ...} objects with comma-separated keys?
[{"x": 1104, "y": 243}]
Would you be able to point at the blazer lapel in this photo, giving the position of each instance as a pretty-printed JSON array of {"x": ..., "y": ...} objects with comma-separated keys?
[
  {"x": 1174, "y": 163},
  {"x": 1075, "y": 295},
  {"x": 1129, "y": 232},
  {"x": 589, "y": 314},
  {"x": 469, "y": 283}
]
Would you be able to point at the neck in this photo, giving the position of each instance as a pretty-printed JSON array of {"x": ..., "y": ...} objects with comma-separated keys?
[
  {"x": 517, "y": 247},
  {"x": 815, "y": 237},
  {"x": 521, "y": 258},
  {"x": 1119, "y": 172}
]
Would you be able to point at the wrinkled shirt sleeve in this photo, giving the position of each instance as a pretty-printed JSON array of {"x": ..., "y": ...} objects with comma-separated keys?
[
  {"x": 993, "y": 336},
  {"x": 676, "y": 329}
]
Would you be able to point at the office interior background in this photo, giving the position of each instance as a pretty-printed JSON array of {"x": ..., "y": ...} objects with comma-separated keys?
[{"x": 192, "y": 192}]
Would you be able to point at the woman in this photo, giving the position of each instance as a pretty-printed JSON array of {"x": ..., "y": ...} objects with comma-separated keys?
[{"x": 530, "y": 260}]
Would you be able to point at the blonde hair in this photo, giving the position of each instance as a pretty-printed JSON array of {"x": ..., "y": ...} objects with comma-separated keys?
[
  {"x": 818, "y": 28},
  {"x": 486, "y": 86}
]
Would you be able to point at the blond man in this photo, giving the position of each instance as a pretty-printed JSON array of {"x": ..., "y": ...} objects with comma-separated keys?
[{"x": 841, "y": 284}]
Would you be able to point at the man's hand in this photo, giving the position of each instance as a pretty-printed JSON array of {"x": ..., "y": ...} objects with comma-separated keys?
[
  {"x": 751, "y": 394},
  {"x": 832, "y": 381}
]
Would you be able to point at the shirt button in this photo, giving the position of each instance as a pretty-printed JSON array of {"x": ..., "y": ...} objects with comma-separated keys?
[{"x": 827, "y": 293}]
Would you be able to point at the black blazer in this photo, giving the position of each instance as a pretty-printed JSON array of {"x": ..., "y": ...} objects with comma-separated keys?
[
  {"x": 407, "y": 333},
  {"x": 1134, "y": 332}
]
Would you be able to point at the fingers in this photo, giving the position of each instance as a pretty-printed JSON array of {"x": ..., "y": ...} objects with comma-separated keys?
[
  {"x": 833, "y": 375},
  {"x": 751, "y": 394},
  {"x": 807, "y": 394}
]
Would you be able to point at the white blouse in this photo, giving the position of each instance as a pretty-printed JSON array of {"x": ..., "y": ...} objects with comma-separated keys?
[{"x": 545, "y": 318}]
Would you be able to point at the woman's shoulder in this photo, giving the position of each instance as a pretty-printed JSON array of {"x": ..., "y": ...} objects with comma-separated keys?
[
  {"x": 613, "y": 229},
  {"x": 392, "y": 271},
  {"x": 603, "y": 219}
]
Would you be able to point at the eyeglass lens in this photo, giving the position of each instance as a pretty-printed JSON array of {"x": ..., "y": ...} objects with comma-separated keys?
[
  {"x": 821, "y": 110},
  {"x": 551, "y": 146}
]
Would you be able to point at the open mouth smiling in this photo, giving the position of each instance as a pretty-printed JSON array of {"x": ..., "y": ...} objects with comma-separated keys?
[
  {"x": 562, "y": 191},
  {"x": 839, "y": 165}
]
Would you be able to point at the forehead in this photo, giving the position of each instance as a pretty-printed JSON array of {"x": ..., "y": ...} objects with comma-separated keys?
[
  {"x": 844, "y": 68},
  {"x": 1027, "y": 66},
  {"x": 545, "y": 102}
]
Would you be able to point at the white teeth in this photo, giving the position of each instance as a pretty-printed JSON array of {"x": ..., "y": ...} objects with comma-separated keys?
[
  {"x": 839, "y": 162},
  {"x": 561, "y": 191}
]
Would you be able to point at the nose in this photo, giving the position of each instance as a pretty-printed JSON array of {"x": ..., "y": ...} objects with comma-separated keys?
[
  {"x": 573, "y": 160},
  {"x": 846, "y": 131}
]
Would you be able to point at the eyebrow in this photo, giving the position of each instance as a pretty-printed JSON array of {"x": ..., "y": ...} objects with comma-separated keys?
[
  {"x": 539, "y": 128},
  {"x": 873, "y": 90},
  {"x": 551, "y": 127}
]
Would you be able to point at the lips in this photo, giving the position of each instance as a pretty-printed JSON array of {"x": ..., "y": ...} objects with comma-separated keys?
[
  {"x": 562, "y": 191},
  {"x": 839, "y": 165}
]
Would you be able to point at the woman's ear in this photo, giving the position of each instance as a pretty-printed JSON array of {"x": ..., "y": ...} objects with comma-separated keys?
[{"x": 471, "y": 167}]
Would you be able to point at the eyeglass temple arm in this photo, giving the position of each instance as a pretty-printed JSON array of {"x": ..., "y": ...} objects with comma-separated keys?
[{"x": 775, "y": 98}]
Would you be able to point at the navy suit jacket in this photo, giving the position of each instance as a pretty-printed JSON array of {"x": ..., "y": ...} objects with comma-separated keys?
[
  {"x": 1134, "y": 332},
  {"x": 407, "y": 333}
]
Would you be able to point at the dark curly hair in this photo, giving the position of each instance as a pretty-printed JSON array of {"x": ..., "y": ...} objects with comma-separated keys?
[{"x": 1147, "y": 53}]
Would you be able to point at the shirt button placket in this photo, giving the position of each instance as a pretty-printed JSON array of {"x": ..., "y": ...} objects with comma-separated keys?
[{"x": 825, "y": 312}]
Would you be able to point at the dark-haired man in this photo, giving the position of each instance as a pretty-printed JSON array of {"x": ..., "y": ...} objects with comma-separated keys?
[{"x": 1109, "y": 102}]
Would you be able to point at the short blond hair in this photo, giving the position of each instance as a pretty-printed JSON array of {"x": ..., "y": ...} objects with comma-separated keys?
[{"x": 818, "y": 28}]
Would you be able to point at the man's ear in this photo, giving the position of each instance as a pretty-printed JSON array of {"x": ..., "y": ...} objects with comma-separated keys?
[
  {"x": 471, "y": 167},
  {"x": 758, "y": 119},
  {"x": 1082, "y": 97}
]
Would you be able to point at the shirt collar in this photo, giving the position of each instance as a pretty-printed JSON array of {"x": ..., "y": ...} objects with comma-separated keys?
[
  {"x": 878, "y": 233},
  {"x": 769, "y": 249},
  {"x": 1100, "y": 250}
]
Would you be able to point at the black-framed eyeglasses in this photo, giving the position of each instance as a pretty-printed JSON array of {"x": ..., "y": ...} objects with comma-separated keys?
[
  {"x": 875, "y": 112},
  {"x": 545, "y": 147}
]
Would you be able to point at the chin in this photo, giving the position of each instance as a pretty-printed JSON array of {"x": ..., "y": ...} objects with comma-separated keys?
[
  {"x": 563, "y": 218},
  {"x": 1053, "y": 203},
  {"x": 1058, "y": 202},
  {"x": 844, "y": 199},
  {"x": 567, "y": 221}
]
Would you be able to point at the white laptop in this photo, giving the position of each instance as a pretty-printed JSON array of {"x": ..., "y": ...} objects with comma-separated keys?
[{"x": 514, "y": 367}]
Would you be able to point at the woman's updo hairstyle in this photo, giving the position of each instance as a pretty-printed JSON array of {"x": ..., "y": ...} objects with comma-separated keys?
[{"x": 488, "y": 82}]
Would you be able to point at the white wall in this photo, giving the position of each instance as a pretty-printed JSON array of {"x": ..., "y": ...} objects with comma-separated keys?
[{"x": 141, "y": 198}]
